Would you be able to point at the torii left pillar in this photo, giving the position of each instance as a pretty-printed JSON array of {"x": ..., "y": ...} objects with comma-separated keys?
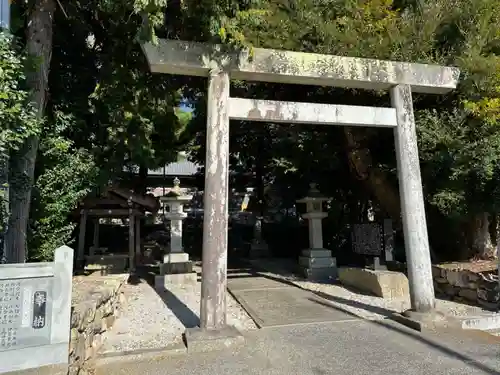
[{"x": 213, "y": 323}]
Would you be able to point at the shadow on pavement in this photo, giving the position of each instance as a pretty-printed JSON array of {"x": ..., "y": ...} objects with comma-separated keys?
[
  {"x": 185, "y": 315},
  {"x": 390, "y": 324}
]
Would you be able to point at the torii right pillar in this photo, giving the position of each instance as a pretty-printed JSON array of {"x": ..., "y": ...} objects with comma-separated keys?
[{"x": 418, "y": 258}]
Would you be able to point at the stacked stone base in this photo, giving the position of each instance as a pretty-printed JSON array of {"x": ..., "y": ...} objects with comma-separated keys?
[
  {"x": 318, "y": 264},
  {"x": 479, "y": 288},
  {"x": 176, "y": 269},
  {"x": 96, "y": 302}
]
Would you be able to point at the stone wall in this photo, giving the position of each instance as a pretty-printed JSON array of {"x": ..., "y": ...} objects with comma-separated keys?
[
  {"x": 475, "y": 287},
  {"x": 95, "y": 305}
]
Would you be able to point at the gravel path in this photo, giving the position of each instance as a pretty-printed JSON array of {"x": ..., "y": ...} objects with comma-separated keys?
[
  {"x": 362, "y": 305},
  {"x": 152, "y": 320}
]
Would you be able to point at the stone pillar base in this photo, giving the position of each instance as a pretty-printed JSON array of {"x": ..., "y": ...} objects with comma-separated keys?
[
  {"x": 428, "y": 321},
  {"x": 318, "y": 264},
  {"x": 258, "y": 250},
  {"x": 204, "y": 340}
]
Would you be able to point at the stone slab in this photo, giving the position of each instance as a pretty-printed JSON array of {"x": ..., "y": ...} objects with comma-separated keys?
[
  {"x": 314, "y": 262},
  {"x": 385, "y": 284},
  {"x": 176, "y": 258},
  {"x": 320, "y": 273},
  {"x": 429, "y": 321},
  {"x": 202, "y": 340},
  {"x": 175, "y": 268},
  {"x": 254, "y": 283},
  {"x": 164, "y": 281},
  {"x": 286, "y": 306}
]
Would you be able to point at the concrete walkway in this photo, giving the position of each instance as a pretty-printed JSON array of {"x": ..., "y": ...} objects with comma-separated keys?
[
  {"x": 274, "y": 303},
  {"x": 346, "y": 348}
]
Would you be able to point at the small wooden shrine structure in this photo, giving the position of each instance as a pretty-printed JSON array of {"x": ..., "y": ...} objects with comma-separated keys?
[{"x": 120, "y": 203}]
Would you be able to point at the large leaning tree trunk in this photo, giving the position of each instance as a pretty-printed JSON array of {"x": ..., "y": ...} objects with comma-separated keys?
[
  {"x": 22, "y": 163},
  {"x": 374, "y": 180},
  {"x": 480, "y": 244}
]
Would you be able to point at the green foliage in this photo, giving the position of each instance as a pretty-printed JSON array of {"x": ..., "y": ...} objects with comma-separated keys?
[
  {"x": 106, "y": 112},
  {"x": 458, "y": 134},
  {"x": 18, "y": 116},
  {"x": 67, "y": 176}
]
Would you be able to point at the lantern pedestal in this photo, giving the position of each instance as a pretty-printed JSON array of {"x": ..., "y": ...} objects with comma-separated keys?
[{"x": 316, "y": 262}]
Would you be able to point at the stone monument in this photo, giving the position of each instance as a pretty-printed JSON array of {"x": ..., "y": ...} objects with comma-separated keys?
[
  {"x": 176, "y": 267},
  {"x": 35, "y": 314},
  {"x": 316, "y": 262},
  {"x": 375, "y": 241}
]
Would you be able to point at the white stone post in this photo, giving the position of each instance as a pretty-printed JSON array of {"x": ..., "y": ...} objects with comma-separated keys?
[
  {"x": 215, "y": 221},
  {"x": 416, "y": 240}
]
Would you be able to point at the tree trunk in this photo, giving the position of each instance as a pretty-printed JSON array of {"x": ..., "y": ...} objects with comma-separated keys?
[
  {"x": 360, "y": 163},
  {"x": 4, "y": 209},
  {"x": 374, "y": 180},
  {"x": 481, "y": 245},
  {"x": 141, "y": 185},
  {"x": 39, "y": 45}
]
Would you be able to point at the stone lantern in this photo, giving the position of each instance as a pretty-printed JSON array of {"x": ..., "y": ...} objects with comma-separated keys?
[
  {"x": 176, "y": 267},
  {"x": 316, "y": 262}
]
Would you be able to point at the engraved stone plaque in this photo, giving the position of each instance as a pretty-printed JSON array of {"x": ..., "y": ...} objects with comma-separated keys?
[
  {"x": 25, "y": 312},
  {"x": 367, "y": 239}
]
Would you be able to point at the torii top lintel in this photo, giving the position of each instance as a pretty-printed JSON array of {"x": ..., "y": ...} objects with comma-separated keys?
[{"x": 267, "y": 65}]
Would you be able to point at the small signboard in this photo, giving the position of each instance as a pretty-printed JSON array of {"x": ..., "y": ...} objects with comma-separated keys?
[
  {"x": 35, "y": 313},
  {"x": 368, "y": 239}
]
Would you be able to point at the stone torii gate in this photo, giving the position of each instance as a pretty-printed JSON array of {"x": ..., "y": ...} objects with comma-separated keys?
[{"x": 220, "y": 65}]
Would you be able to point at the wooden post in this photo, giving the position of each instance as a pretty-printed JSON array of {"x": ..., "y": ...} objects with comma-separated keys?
[
  {"x": 416, "y": 240},
  {"x": 96, "y": 235},
  {"x": 81, "y": 237},
  {"x": 215, "y": 220},
  {"x": 131, "y": 240}
]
